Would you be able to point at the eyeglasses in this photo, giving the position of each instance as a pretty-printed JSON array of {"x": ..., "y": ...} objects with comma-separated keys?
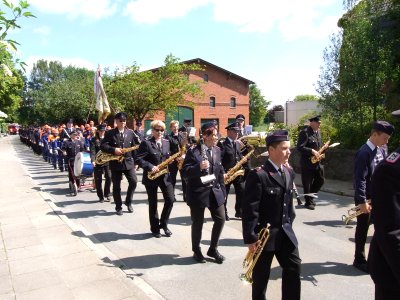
[{"x": 158, "y": 129}]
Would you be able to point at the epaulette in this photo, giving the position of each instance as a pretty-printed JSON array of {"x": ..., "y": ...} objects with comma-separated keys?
[
  {"x": 258, "y": 169},
  {"x": 393, "y": 157}
]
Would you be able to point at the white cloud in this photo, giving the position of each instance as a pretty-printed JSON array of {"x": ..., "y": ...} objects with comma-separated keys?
[
  {"x": 295, "y": 19},
  {"x": 43, "y": 30},
  {"x": 92, "y": 9},
  {"x": 152, "y": 11},
  {"x": 73, "y": 61}
]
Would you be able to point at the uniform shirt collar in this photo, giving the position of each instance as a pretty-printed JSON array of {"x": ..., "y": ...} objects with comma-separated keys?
[
  {"x": 371, "y": 145},
  {"x": 274, "y": 165}
]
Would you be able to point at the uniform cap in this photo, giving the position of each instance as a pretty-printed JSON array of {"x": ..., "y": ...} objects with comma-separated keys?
[
  {"x": 101, "y": 127},
  {"x": 232, "y": 126},
  {"x": 121, "y": 116},
  {"x": 207, "y": 126},
  {"x": 315, "y": 119},
  {"x": 240, "y": 117},
  {"x": 277, "y": 136},
  {"x": 383, "y": 126},
  {"x": 187, "y": 120}
]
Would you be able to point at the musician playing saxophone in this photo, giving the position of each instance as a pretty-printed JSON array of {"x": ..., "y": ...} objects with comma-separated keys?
[
  {"x": 230, "y": 156},
  {"x": 115, "y": 140},
  {"x": 312, "y": 174},
  {"x": 268, "y": 198},
  {"x": 151, "y": 154}
]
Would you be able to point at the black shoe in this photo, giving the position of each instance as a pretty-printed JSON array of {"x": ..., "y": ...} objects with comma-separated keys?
[
  {"x": 101, "y": 200},
  {"x": 119, "y": 212},
  {"x": 362, "y": 266},
  {"x": 107, "y": 199},
  {"x": 157, "y": 234},
  {"x": 130, "y": 208},
  {"x": 198, "y": 256},
  {"x": 219, "y": 258},
  {"x": 309, "y": 206},
  {"x": 227, "y": 217},
  {"x": 167, "y": 232},
  {"x": 238, "y": 215}
]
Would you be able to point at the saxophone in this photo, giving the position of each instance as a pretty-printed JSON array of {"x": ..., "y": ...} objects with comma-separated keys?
[
  {"x": 182, "y": 150},
  {"x": 102, "y": 158},
  {"x": 321, "y": 151},
  {"x": 237, "y": 170},
  {"x": 163, "y": 167}
]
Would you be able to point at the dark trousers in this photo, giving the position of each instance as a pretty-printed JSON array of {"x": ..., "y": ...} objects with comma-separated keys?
[
  {"x": 239, "y": 192},
  {"x": 99, "y": 170},
  {"x": 116, "y": 177},
  {"x": 384, "y": 292},
  {"x": 312, "y": 181},
  {"x": 197, "y": 216},
  {"x": 360, "y": 237},
  {"x": 168, "y": 193},
  {"x": 289, "y": 260},
  {"x": 71, "y": 175},
  {"x": 173, "y": 172}
]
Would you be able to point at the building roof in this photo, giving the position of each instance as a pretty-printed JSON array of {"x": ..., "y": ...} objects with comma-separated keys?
[{"x": 202, "y": 61}]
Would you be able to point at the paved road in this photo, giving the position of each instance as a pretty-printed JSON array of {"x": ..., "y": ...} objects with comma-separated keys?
[{"x": 326, "y": 246}]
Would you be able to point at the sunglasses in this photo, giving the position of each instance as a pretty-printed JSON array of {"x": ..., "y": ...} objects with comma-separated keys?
[
  {"x": 158, "y": 129},
  {"x": 122, "y": 120}
]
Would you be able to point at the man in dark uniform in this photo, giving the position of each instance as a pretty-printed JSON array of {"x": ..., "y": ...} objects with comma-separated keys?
[
  {"x": 240, "y": 124},
  {"x": 72, "y": 147},
  {"x": 99, "y": 170},
  {"x": 114, "y": 142},
  {"x": 176, "y": 140},
  {"x": 384, "y": 251},
  {"x": 153, "y": 152},
  {"x": 312, "y": 175},
  {"x": 205, "y": 191},
  {"x": 230, "y": 156},
  {"x": 186, "y": 128},
  {"x": 366, "y": 159},
  {"x": 139, "y": 131},
  {"x": 269, "y": 200}
]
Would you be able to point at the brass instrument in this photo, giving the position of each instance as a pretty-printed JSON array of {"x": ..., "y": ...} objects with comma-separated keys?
[
  {"x": 254, "y": 140},
  {"x": 102, "y": 158},
  {"x": 163, "y": 167},
  {"x": 182, "y": 150},
  {"x": 251, "y": 258},
  {"x": 352, "y": 213},
  {"x": 321, "y": 151},
  {"x": 237, "y": 170}
]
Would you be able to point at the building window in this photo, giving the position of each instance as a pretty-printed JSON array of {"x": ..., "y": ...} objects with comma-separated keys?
[
  {"x": 205, "y": 78},
  {"x": 212, "y": 101},
  {"x": 232, "y": 103}
]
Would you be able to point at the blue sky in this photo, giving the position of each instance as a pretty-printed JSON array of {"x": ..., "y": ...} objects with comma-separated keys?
[{"x": 277, "y": 44}]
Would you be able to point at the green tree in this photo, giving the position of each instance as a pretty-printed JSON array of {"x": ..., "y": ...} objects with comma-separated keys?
[
  {"x": 271, "y": 112},
  {"x": 258, "y": 105},
  {"x": 141, "y": 94},
  {"x": 306, "y": 97}
]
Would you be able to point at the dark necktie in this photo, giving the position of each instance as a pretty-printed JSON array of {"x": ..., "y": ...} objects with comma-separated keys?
[
  {"x": 209, "y": 156},
  {"x": 283, "y": 176},
  {"x": 234, "y": 150}
]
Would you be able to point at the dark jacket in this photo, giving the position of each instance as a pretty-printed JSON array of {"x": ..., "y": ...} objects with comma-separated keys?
[
  {"x": 113, "y": 140},
  {"x": 268, "y": 200},
  {"x": 307, "y": 141},
  {"x": 197, "y": 193},
  {"x": 149, "y": 156},
  {"x": 95, "y": 147},
  {"x": 229, "y": 154},
  {"x": 384, "y": 251},
  {"x": 72, "y": 148},
  {"x": 364, "y": 167}
]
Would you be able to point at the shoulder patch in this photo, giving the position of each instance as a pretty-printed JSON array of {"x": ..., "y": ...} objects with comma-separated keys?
[{"x": 393, "y": 157}]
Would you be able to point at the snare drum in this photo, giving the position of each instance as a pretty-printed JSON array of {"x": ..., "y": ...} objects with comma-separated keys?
[{"x": 83, "y": 165}]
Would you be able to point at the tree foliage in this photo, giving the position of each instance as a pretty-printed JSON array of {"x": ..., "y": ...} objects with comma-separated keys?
[
  {"x": 141, "y": 94},
  {"x": 306, "y": 97},
  {"x": 56, "y": 93},
  {"x": 361, "y": 77},
  {"x": 258, "y": 105}
]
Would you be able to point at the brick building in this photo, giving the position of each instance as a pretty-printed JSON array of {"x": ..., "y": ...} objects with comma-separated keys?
[{"x": 225, "y": 95}]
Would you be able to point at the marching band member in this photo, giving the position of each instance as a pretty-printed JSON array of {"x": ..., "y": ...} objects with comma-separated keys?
[
  {"x": 72, "y": 147},
  {"x": 138, "y": 130},
  {"x": 269, "y": 200},
  {"x": 151, "y": 153},
  {"x": 199, "y": 162},
  {"x": 114, "y": 141},
  {"x": 240, "y": 124},
  {"x": 230, "y": 155},
  {"x": 99, "y": 170},
  {"x": 312, "y": 175},
  {"x": 384, "y": 251},
  {"x": 176, "y": 140},
  {"x": 366, "y": 159}
]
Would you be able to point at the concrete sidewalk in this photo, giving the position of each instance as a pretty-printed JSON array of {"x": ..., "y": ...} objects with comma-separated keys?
[{"x": 40, "y": 258}]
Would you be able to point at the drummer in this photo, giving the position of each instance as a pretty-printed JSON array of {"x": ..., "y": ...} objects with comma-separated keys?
[{"x": 71, "y": 148}]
